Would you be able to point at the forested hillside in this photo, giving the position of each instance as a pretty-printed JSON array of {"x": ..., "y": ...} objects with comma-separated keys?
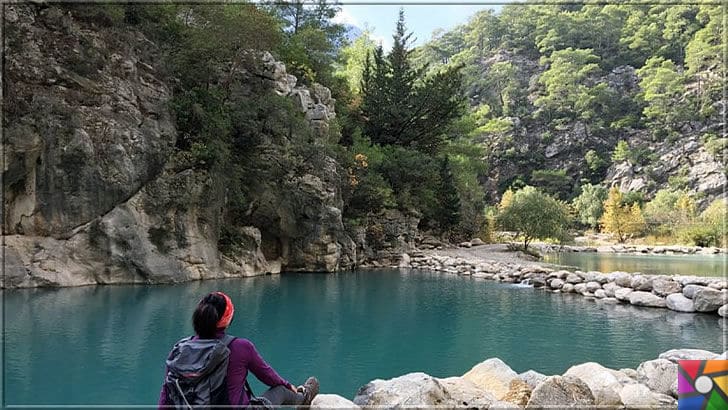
[
  {"x": 575, "y": 99},
  {"x": 565, "y": 95}
]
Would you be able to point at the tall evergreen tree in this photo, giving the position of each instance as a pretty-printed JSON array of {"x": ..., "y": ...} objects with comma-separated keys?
[
  {"x": 401, "y": 106},
  {"x": 449, "y": 212}
]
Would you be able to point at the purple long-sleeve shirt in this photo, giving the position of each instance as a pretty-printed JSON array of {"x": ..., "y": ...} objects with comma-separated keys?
[{"x": 243, "y": 357}]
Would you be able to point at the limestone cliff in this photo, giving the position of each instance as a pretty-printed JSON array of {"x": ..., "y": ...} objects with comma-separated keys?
[{"x": 95, "y": 190}]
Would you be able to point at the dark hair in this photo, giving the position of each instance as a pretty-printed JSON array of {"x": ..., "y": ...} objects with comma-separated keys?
[{"x": 208, "y": 313}]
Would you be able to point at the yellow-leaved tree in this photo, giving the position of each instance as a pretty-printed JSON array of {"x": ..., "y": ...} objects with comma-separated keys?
[
  {"x": 506, "y": 199},
  {"x": 621, "y": 219}
]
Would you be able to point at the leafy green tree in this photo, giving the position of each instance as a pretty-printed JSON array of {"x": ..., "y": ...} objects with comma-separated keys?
[
  {"x": 400, "y": 106},
  {"x": 567, "y": 93},
  {"x": 621, "y": 152},
  {"x": 714, "y": 216},
  {"x": 311, "y": 39},
  {"x": 595, "y": 162},
  {"x": 663, "y": 91},
  {"x": 533, "y": 214},
  {"x": 448, "y": 214},
  {"x": 589, "y": 204},
  {"x": 354, "y": 57},
  {"x": 705, "y": 57}
]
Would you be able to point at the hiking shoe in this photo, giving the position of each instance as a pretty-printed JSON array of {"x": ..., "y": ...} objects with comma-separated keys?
[{"x": 309, "y": 390}]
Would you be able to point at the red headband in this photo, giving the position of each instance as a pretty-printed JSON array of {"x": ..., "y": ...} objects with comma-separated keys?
[{"x": 227, "y": 317}]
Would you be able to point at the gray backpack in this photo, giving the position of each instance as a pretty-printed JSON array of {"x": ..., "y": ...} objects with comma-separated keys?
[{"x": 196, "y": 373}]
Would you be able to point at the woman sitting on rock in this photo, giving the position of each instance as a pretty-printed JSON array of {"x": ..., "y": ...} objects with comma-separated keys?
[{"x": 195, "y": 366}]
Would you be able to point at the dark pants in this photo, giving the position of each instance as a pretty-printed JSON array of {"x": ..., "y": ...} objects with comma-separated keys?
[{"x": 282, "y": 395}]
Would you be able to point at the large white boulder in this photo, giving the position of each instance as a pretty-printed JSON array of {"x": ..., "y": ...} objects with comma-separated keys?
[
  {"x": 622, "y": 294},
  {"x": 679, "y": 303},
  {"x": 709, "y": 299},
  {"x": 604, "y": 383},
  {"x": 413, "y": 389},
  {"x": 675, "y": 355},
  {"x": 640, "y": 298},
  {"x": 493, "y": 376},
  {"x": 664, "y": 287},
  {"x": 561, "y": 392},
  {"x": 465, "y": 393},
  {"x": 660, "y": 375},
  {"x": 640, "y": 396},
  {"x": 332, "y": 401}
]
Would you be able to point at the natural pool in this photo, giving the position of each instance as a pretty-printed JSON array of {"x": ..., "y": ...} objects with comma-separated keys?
[
  {"x": 106, "y": 345},
  {"x": 695, "y": 265}
]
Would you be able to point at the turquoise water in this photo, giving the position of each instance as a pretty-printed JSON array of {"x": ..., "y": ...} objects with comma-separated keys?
[
  {"x": 106, "y": 345},
  {"x": 695, "y": 265}
]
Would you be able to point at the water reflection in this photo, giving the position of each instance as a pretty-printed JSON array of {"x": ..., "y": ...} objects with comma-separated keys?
[{"x": 697, "y": 265}]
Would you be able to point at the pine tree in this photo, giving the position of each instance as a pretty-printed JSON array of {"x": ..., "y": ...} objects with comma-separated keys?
[{"x": 401, "y": 105}]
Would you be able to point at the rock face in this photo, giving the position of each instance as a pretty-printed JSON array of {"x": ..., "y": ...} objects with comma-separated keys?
[
  {"x": 532, "y": 378},
  {"x": 640, "y": 396},
  {"x": 384, "y": 237},
  {"x": 96, "y": 192},
  {"x": 88, "y": 123}
]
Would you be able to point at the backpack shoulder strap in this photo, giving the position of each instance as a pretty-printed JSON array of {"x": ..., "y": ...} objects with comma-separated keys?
[{"x": 228, "y": 340}]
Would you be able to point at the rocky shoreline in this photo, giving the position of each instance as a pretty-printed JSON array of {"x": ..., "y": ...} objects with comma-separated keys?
[
  {"x": 493, "y": 384},
  {"x": 634, "y": 249},
  {"x": 679, "y": 293}
]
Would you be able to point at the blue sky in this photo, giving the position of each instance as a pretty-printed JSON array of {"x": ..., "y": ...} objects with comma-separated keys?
[{"x": 421, "y": 19}]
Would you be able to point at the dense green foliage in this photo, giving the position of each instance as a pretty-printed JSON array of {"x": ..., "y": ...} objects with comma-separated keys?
[
  {"x": 401, "y": 105},
  {"x": 589, "y": 204},
  {"x": 533, "y": 76},
  {"x": 532, "y": 214},
  {"x": 592, "y": 74},
  {"x": 417, "y": 146}
]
